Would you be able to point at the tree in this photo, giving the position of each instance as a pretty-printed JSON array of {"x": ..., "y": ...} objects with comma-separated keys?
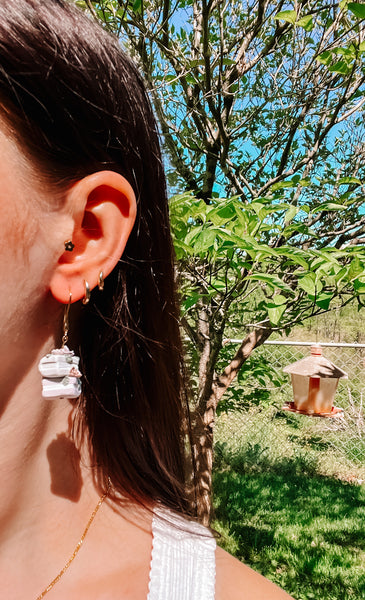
[{"x": 261, "y": 109}]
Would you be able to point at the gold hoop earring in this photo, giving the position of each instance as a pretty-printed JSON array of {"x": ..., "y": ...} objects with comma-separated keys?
[
  {"x": 101, "y": 281},
  {"x": 86, "y": 298}
]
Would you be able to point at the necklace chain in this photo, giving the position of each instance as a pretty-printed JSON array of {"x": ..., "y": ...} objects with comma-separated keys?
[{"x": 77, "y": 548}]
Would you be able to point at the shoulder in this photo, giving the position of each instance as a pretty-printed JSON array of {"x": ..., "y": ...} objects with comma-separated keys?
[{"x": 236, "y": 581}]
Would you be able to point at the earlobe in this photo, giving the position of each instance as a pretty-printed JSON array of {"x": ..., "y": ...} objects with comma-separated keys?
[{"x": 103, "y": 206}]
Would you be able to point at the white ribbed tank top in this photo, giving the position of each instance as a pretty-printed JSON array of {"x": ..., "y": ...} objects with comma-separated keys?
[{"x": 183, "y": 559}]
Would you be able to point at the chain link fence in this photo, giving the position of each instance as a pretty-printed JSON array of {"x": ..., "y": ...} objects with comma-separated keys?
[{"x": 337, "y": 443}]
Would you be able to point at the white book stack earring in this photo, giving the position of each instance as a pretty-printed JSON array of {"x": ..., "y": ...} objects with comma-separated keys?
[{"x": 61, "y": 377}]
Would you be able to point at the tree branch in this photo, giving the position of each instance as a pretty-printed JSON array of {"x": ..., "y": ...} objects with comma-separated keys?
[{"x": 252, "y": 341}]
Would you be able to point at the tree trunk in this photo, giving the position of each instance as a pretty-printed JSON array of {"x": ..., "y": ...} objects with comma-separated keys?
[
  {"x": 212, "y": 389},
  {"x": 203, "y": 454},
  {"x": 203, "y": 420}
]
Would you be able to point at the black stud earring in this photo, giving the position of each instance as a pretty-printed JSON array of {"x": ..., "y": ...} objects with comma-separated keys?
[{"x": 69, "y": 246}]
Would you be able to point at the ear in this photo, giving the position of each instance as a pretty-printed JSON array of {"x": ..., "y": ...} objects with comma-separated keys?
[{"x": 103, "y": 209}]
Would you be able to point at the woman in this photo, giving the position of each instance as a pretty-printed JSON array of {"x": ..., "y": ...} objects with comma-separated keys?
[{"x": 82, "y": 186}]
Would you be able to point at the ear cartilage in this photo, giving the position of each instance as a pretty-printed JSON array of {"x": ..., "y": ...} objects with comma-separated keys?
[{"x": 60, "y": 374}]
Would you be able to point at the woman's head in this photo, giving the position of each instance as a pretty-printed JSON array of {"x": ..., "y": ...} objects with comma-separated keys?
[
  {"x": 66, "y": 78},
  {"x": 76, "y": 108}
]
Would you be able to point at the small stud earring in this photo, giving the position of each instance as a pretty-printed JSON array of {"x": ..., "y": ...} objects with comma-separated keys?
[
  {"x": 69, "y": 246},
  {"x": 101, "y": 281},
  {"x": 86, "y": 298}
]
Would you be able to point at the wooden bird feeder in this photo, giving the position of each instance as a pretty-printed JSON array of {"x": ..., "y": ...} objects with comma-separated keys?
[{"x": 314, "y": 380}]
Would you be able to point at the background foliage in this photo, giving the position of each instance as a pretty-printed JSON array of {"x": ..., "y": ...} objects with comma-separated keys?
[{"x": 261, "y": 110}]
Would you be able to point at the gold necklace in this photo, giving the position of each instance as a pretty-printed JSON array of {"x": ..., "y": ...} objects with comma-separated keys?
[{"x": 78, "y": 545}]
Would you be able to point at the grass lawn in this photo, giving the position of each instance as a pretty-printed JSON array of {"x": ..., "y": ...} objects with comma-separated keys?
[{"x": 283, "y": 508}]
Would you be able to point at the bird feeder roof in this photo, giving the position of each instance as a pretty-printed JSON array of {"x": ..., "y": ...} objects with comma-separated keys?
[{"x": 316, "y": 365}]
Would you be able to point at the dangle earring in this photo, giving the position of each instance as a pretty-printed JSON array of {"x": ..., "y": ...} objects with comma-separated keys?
[{"x": 59, "y": 369}]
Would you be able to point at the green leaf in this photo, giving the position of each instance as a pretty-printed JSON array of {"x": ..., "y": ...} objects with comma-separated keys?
[
  {"x": 329, "y": 206},
  {"x": 190, "y": 301},
  {"x": 357, "y": 9},
  {"x": 273, "y": 281},
  {"x": 294, "y": 255},
  {"x": 341, "y": 275},
  {"x": 283, "y": 184},
  {"x": 341, "y": 67},
  {"x": 307, "y": 284},
  {"x": 349, "y": 52},
  {"x": 279, "y": 299},
  {"x": 304, "y": 183},
  {"x": 325, "y": 58},
  {"x": 204, "y": 241},
  {"x": 306, "y": 22},
  {"x": 323, "y": 300},
  {"x": 291, "y": 213},
  {"x": 137, "y": 6},
  {"x": 299, "y": 228},
  {"x": 275, "y": 313},
  {"x": 345, "y": 180},
  {"x": 197, "y": 62},
  {"x": 290, "y": 16},
  {"x": 224, "y": 212},
  {"x": 356, "y": 269},
  {"x": 359, "y": 285},
  {"x": 192, "y": 235},
  {"x": 182, "y": 250}
]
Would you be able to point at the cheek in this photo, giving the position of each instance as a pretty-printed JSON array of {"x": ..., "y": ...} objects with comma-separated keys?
[
  {"x": 16, "y": 269},
  {"x": 19, "y": 204},
  {"x": 15, "y": 215},
  {"x": 22, "y": 239},
  {"x": 24, "y": 274},
  {"x": 24, "y": 264},
  {"x": 29, "y": 228}
]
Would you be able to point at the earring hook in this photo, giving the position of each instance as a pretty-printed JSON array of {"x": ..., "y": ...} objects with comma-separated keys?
[{"x": 66, "y": 322}]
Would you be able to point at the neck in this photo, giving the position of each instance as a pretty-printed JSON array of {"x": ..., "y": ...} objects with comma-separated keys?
[{"x": 44, "y": 482}]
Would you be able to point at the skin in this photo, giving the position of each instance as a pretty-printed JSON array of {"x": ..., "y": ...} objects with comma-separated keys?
[{"x": 47, "y": 491}]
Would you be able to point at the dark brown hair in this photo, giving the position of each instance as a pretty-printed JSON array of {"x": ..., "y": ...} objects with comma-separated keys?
[{"x": 77, "y": 105}]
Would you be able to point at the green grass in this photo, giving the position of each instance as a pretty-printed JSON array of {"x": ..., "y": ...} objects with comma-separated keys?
[{"x": 281, "y": 507}]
